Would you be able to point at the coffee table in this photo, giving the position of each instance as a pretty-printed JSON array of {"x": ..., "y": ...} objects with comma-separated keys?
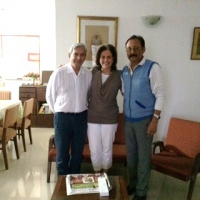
[{"x": 118, "y": 191}]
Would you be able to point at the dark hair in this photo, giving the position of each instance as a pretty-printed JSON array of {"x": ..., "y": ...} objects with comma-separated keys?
[
  {"x": 113, "y": 51},
  {"x": 138, "y": 37}
]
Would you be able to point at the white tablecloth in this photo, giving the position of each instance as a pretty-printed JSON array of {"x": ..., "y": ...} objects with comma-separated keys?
[{"x": 4, "y": 104}]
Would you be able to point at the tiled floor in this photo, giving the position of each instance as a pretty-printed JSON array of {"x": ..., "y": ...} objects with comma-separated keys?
[{"x": 26, "y": 178}]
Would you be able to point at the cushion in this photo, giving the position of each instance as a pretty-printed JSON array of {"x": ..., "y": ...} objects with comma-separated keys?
[
  {"x": 86, "y": 153},
  {"x": 119, "y": 153},
  {"x": 183, "y": 137},
  {"x": 52, "y": 154},
  {"x": 119, "y": 136},
  {"x": 173, "y": 164}
]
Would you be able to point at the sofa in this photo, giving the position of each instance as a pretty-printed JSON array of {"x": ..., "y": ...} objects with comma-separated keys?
[{"x": 119, "y": 149}]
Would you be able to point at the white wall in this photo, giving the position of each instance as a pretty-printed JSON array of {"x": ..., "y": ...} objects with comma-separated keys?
[
  {"x": 169, "y": 43},
  {"x": 31, "y": 17}
]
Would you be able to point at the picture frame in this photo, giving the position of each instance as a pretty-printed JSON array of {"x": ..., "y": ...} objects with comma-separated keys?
[
  {"x": 94, "y": 31},
  {"x": 195, "y": 54},
  {"x": 34, "y": 57}
]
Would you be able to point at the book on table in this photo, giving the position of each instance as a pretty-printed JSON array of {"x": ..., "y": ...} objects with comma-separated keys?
[{"x": 84, "y": 183}]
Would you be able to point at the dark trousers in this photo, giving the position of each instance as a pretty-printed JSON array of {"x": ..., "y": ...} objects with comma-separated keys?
[{"x": 70, "y": 134}]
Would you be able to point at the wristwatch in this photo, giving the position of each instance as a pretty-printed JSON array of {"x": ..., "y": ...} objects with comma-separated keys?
[{"x": 156, "y": 116}]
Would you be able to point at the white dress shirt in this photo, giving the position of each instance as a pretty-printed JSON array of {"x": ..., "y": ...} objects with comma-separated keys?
[
  {"x": 156, "y": 82},
  {"x": 68, "y": 92}
]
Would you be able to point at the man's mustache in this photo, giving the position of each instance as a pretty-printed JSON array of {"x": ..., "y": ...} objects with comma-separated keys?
[{"x": 133, "y": 55}]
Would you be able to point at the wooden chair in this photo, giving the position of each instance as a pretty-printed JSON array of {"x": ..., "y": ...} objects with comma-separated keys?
[
  {"x": 9, "y": 132},
  {"x": 51, "y": 156},
  {"x": 25, "y": 122},
  {"x": 179, "y": 156},
  {"x": 5, "y": 95}
]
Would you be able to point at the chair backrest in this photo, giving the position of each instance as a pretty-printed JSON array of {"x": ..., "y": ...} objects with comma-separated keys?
[
  {"x": 119, "y": 135},
  {"x": 11, "y": 116},
  {"x": 5, "y": 95},
  {"x": 183, "y": 137},
  {"x": 28, "y": 107}
]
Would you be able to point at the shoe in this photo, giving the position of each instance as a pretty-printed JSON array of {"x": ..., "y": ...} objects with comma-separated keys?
[
  {"x": 136, "y": 197},
  {"x": 130, "y": 190}
]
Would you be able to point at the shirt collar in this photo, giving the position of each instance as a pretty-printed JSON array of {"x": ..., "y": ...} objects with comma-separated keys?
[
  {"x": 139, "y": 64},
  {"x": 71, "y": 70}
]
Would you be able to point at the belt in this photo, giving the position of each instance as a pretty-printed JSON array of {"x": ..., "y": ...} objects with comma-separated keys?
[{"x": 75, "y": 113}]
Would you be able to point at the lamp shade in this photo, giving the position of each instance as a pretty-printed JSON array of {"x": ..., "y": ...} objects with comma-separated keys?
[{"x": 151, "y": 19}]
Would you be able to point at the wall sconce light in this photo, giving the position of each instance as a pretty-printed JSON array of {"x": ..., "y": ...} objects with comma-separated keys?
[{"x": 151, "y": 19}]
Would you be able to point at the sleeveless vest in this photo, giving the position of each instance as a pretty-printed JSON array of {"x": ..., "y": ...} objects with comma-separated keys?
[{"x": 139, "y": 100}]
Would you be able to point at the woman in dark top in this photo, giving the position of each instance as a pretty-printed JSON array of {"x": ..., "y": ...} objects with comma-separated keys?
[{"x": 103, "y": 109}]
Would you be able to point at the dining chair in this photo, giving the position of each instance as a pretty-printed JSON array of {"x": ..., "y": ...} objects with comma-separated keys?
[
  {"x": 5, "y": 95},
  {"x": 24, "y": 122},
  {"x": 9, "y": 131},
  {"x": 179, "y": 155}
]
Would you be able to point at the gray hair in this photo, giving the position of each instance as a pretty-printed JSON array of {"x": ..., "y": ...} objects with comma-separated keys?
[{"x": 76, "y": 45}]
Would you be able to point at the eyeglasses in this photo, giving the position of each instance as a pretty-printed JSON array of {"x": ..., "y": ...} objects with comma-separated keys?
[{"x": 129, "y": 49}]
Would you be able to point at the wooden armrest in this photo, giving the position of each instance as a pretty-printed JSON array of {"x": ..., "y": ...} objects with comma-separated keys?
[
  {"x": 51, "y": 142},
  {"x": 196, "y": 167},
  {"x": 159, "y": 144}
]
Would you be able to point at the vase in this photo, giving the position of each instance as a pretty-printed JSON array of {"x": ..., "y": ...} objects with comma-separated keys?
[{"x": 33, "y": 80}]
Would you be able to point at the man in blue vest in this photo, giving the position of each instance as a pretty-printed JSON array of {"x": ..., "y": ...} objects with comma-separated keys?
[{"x": 143, "y": 101}]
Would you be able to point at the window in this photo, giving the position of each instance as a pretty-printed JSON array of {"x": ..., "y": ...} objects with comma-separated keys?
[{"x": 19, "y": 55}]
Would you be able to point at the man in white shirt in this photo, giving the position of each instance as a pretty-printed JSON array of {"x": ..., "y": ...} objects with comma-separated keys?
[{"x": 67, "y": 96}]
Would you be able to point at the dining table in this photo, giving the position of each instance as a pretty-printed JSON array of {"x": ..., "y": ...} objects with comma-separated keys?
[{"x": 5, "y": 104}]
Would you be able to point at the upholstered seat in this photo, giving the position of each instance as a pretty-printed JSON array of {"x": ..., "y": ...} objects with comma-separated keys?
[
  {"x": 179, "y": 156},
  {"x": 51, "y": 156},
  {"x": 119, "y": 148}
]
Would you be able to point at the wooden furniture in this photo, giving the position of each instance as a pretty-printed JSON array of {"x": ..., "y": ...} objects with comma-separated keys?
[
  {"x": 118, "y": 190},
  {"x": 51, "y": 156},
  {"x": 4, "y": 104},
  {"x": 38, "y": 93},
  {"x": 119, "y": 148},
  {"x": 24, "y": 122},
  {"x": 5, "y": 95},
  {"x": 8, "y": 131},
  {"x": 179, "y": 156}
]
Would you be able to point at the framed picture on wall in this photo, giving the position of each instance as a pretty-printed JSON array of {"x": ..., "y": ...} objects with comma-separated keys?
[
  {"x": 195, "y": 55},
  {"x": 95, "y": 31}
]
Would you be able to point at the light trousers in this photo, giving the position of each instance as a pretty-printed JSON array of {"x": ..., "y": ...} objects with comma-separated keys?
[{"x": 101, "y": 138}]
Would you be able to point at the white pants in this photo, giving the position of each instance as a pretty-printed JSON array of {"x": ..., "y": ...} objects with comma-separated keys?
[{"x": 101, "y": 138}]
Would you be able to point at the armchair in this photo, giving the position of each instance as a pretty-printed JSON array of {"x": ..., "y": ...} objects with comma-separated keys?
[{"x": 179, "y": 156}]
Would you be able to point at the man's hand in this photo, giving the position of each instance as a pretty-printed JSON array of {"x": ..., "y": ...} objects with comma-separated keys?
[
  {"x": 60, "y": 65},
  {"x": 152, "y": 128}
]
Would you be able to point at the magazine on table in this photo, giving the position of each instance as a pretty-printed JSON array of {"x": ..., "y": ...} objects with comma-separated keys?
[{"x": 84, "y": 183}]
